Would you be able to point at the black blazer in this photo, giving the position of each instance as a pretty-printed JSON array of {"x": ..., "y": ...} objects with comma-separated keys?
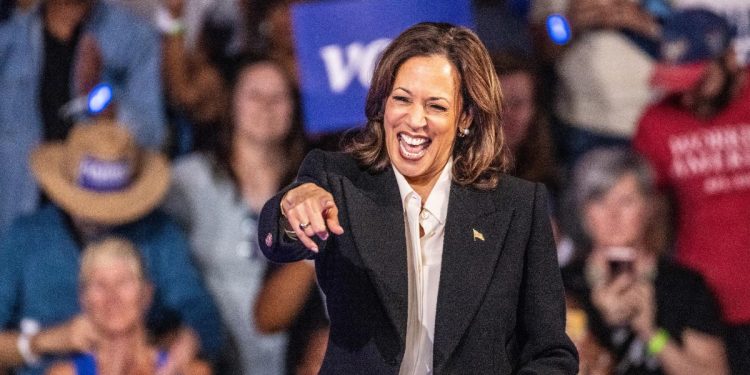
[{"x": 500, "y": 307}]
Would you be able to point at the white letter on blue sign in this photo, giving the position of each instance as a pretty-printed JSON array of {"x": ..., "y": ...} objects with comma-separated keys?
[{"x": 360, "y": 61}]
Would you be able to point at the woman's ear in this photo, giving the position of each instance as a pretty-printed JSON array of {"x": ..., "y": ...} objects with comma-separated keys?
[
  {"x": 82, "y": 300},
  {"x": 466, "y": 118},
  {"x": 148, "y": 295}
]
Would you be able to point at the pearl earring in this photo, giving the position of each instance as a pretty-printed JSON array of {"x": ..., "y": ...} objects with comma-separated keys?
[{"x": 463, "y": 132}]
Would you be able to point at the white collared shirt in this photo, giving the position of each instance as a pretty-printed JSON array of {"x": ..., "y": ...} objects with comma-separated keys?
[{"x": 424, "y": 257}]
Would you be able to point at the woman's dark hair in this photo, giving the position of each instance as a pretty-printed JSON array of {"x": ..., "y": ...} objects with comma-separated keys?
[
  {"x": 479, "y": 158},
  {"x": 293, "y": 144},
  {"x": 534, "y": 159}
]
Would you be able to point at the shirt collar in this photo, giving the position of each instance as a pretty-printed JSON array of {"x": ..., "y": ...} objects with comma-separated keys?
[{"x": 437, "y": 201}]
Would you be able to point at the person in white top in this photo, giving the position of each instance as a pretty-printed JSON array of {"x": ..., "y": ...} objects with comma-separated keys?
[{"x": 439, "y": 262}]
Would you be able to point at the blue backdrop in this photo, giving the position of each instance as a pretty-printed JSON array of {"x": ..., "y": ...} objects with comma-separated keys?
[{"x": 338, "y": 43}]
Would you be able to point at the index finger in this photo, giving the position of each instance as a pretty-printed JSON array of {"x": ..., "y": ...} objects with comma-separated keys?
[{"x": 331, "y": 215}]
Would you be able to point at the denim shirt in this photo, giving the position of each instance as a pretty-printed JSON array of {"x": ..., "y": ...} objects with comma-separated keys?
[{"x": 131, "y": 58}]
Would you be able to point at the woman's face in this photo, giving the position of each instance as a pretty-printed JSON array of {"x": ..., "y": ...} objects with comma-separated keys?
[
  {"x": 518, "y": 98},
  {"x": 619, "y": 217},
  {"x": 420, "y": 120},
  {"x": 263, "y": 104},
  {"x": 114, "y": 296}
]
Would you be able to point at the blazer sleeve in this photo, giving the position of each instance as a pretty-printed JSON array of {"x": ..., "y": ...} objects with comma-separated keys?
[
  {"x": 274, "y": 243},
  {"x": 546, "y": 348}
]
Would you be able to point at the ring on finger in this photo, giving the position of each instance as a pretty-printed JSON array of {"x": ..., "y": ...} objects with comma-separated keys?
[{"x": 304, "y": 225}]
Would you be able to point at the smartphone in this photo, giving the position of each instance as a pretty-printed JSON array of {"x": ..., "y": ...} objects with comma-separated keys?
[
  {"x": 617, "y": 267},
  {"x": 620, "y": 260}
]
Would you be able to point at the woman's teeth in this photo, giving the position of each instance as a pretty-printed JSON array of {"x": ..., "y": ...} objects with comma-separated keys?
[
  {"x": 413, "y": 141},
  {"x": 412, "y": 147}
]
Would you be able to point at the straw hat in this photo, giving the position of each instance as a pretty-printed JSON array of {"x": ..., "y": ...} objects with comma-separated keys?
[{"x": 99, "y": 174}]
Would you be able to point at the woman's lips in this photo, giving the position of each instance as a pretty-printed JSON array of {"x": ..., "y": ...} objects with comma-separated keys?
[{"x": 413, "y": 147}]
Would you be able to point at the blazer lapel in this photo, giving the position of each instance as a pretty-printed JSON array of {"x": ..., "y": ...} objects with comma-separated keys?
[
  {"x": 474, "y": 233},
  {"x": 376, "y": 217}
]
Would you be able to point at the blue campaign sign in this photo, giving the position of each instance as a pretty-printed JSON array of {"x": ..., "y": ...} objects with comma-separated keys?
[{"x": 338, "y": 44}]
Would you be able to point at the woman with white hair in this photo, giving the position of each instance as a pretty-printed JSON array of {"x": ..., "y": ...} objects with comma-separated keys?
[{"x": 115, "y": 294}]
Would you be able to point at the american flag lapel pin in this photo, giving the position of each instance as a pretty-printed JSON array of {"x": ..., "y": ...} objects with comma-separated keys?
[{"x": 477, "y": 235}]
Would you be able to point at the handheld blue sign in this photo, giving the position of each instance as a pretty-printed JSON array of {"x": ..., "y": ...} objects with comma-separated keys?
[{"x": 338, "y": 44}]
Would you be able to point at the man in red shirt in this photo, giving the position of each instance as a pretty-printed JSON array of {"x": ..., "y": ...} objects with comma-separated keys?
[{"x": 698, "y": 142}]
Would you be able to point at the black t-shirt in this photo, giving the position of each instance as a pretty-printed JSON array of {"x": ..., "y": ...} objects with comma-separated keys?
[
  {"x": 55, "y": 83},
  {"x": 683, "y": 301}
]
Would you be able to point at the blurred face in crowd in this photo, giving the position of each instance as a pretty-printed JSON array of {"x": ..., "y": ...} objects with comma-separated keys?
[
  {"x": 619, "y": 217},
  {"x": 114, "y": 295},
  {"x": 420, "y": 118},
  {"x": 263, "y": 104},
  {"x": 518, "y": 99}
]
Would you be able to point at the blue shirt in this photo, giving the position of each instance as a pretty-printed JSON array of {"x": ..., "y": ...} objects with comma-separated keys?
[
  {"x": 39, "y": 274},
  {"x": 131, "y": 58},
  {"x": 85, "y": 363}
]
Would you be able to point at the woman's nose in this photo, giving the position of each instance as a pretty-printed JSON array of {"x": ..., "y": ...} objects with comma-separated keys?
[
  {"x": 417, "y": 117},
  {"x": 615, "y": 214}
]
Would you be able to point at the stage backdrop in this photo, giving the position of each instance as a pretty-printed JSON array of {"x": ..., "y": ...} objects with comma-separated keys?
[{"x": 338, "y": 43}]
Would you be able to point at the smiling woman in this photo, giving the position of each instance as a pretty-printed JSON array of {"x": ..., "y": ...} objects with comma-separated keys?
[
  {"x": 420, "y": 120},
  {"x": 440, "y": 263},
  {"x": 471, "y": 92},
  {"x": 115, "y": 295}
]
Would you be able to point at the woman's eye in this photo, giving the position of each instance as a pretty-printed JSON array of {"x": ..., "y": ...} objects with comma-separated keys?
[
  {"x": 439, "y": 108},
  {"x": 399, "y": 98}
]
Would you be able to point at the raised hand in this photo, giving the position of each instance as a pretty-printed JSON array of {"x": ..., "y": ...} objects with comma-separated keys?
[
  {"x": 644, "y": 319},
  {"x": 609, "y": 299},
  {"x": 76, "y": 335},
  {"x": 182, "y": 352},
  {"x": 89, "y": 64},
  {"x": 311, "y": 211},
  {"x": 176, "y": 8}
]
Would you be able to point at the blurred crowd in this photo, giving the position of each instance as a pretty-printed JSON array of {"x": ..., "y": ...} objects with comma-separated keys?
[{"x": 128, "y": 238}]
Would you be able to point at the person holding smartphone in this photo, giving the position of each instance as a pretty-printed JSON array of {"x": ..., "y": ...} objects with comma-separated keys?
[{"x": 652, "y": 315}]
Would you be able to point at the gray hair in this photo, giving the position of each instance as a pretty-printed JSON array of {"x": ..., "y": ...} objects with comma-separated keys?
[{"x": 593, "y": 176}]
